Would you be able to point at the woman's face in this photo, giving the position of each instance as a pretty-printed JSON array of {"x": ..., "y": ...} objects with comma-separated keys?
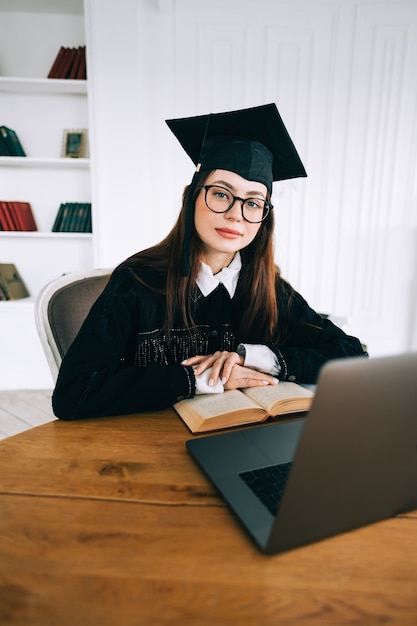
[{"x": 223, "y": 234}]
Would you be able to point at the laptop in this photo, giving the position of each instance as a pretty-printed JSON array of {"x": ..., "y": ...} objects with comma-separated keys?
[{"x": 350, "y": 461}]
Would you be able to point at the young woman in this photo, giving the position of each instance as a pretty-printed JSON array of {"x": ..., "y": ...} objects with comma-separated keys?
[{"x": 206, "y": 309}]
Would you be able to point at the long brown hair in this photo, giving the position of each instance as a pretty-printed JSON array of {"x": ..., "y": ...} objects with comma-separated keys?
[{"x": 257, "y": 280}]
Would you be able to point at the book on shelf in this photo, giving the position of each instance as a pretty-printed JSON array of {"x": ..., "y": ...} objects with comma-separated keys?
[
  {"x": 69, "y": 63},
  {"x": 239, "y": 407},
  {"x": 78, "y": 61},
  {"x": 9, "y": 143},
  {"x": 6, "y": 218},
  {"x": 17, "y": 216},
  {"x": 73, "y": 217},
  {"x": 3, "y": 148},
  {"x": 82, "y": 70},
  {"x": 57, "y": 62},
  {"x": 12, "y": 286}
]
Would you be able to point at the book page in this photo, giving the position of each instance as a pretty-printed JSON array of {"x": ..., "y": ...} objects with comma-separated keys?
[
  {"x": 214, "y": 404},
  {"x": 285, "y": 391}
]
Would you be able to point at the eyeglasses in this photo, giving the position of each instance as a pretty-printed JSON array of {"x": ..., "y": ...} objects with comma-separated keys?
[{"x": 220, "y": 200}]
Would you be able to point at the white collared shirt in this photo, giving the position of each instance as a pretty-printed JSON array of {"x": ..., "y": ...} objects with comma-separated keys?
[
  {"x": 258, "y": 357},
  {"x": 228, "y": 276}
]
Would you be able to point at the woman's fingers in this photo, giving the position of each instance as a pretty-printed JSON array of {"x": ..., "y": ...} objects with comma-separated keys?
[
  {"x": 228, "y": 366},
  {"x": 221, "y": 364},
  {"x": 230, "y": 359},
  {"x": 241, "y": 377}
]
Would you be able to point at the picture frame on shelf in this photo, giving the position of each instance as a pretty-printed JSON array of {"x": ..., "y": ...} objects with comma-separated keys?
[{"x": 74, "y": 143}]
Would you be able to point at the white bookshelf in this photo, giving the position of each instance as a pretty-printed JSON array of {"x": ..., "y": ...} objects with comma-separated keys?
[{"x": 39, "y": 110}]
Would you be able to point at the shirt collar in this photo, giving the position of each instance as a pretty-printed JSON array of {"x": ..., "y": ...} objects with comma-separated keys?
[{"x": 228, "y": 276}]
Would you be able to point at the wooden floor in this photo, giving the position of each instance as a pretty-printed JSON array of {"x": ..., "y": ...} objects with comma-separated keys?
[{"x": 23, "y": 409}]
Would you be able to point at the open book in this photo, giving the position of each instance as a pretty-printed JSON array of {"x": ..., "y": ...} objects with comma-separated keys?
[{"x": 246, "y": 406}]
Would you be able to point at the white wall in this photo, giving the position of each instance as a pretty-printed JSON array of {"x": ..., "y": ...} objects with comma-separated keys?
[
  {"x": 132, "y": 90},
  {"x": 342, "y": 73}
]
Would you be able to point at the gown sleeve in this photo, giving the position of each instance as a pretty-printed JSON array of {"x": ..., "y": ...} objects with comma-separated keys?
[
  {"x": 94, "y": 380},
  {"x": 307, "y": 340}
]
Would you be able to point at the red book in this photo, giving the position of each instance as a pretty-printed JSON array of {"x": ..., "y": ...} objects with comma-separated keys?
[
  {"x": 73, "y": 73},
  {"x": 82, "y": 70},
  {"x": 23, "y": 216},
  {"x": 64, "y": 63},
  {"x": 58, "y": 60},
  {"x": 6, "y": 218},
  {"x": 68, "y": 63}
]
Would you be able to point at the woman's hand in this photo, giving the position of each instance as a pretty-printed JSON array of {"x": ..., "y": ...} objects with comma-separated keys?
[
  {"x": 228, "y": 366},
  {"x": 221, "y": 364},
  {"x": 241, "y": 377}
]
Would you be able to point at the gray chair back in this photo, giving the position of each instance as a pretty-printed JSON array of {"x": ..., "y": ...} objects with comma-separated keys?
[{"x": 60, "y": 309}]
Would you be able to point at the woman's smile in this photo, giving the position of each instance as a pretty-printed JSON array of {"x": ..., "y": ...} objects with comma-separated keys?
[{"x": 228, "y": 233}]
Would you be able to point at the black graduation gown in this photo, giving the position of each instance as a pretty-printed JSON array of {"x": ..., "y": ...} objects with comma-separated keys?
[{"x": 121, "y": 362}]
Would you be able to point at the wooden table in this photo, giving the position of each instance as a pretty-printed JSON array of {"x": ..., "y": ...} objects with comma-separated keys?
[{"x": 109, "y": 521}]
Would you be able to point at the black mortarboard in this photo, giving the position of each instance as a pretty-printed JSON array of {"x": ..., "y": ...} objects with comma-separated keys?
[{"x": 253, "y": 143}]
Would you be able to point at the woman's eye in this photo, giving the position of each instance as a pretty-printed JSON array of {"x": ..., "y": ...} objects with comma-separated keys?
[{"x": 253, "y": 203}]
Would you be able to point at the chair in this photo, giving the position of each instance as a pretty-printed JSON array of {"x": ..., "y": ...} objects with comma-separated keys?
[{"x": 60, "y": 309}]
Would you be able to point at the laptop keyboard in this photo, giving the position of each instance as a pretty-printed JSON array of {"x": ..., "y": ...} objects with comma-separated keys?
[{"x": 268, "y": 483}]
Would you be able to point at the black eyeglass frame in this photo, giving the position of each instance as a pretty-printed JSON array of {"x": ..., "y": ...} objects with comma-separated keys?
[{"x": 267, "y": 205}]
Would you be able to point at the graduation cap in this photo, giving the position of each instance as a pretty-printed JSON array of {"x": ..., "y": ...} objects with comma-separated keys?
[{"x": 253, "y": 143}]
